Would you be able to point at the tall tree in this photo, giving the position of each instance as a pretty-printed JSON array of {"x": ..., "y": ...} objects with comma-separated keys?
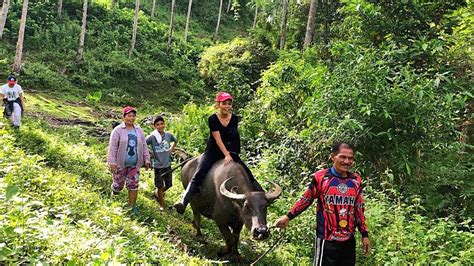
[
  {"x": 170, "y": 34},
  {"x": 153, "y": 7},
  {"x": 283, "y": 24},
  {"x": 135, "y": 28},
  {"x": 82, "y": 37},
  {"x": 229, "y": 4},
  {"x": 21, "y": 36},
  {"x": 60, "y": 8},
  {"x": 255, "y": 16},
  {"x": 218, "y": 20},
  {"x": 308, "y": 37},
  {"x": 327, "y": 21},
  {"x": 190, "y": 4},
  {"x": 3, "y": 16}
]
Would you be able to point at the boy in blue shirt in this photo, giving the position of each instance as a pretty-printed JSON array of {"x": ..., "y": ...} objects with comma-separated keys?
[{"x": 159, "y": 143}]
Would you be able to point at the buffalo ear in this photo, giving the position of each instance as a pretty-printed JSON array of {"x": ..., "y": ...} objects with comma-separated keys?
[{"x": 270, "y": 201}]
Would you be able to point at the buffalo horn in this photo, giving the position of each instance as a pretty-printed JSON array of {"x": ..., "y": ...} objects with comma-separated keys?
[
  {"x": 271, "y": 196},
  {"x": 227, "y": 193}
]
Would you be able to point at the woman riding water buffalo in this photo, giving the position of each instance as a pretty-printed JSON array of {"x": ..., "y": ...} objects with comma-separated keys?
[{"x": 223, "y": 143}]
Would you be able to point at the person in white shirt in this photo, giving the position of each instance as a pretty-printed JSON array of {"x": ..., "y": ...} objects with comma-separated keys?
[{"x": 12, "y": 95}]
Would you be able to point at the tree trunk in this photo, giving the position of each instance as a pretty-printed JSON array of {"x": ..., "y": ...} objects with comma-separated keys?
[
  {"x": 3, "y": 16},
  {"x": 255, "y": 17},
  {"x": 283, "y": 24},
  {"x": 153, "y": 8},
  {"x": 21, "y": 36},
  {"x": 467, "y": 128},
  {"x": 82, "y": 38},
  {"x": 135, "y": 28},
  {"x": 170, "y": 35},
  {"x": 190, "y": 4},
  {"x": 218, "y": 21},
  {"x": 327, "y": 22},
  {"x": 60, "y": 8},
  {"x": 308, "y": 37},
  {"x": 229, "y": 5}
]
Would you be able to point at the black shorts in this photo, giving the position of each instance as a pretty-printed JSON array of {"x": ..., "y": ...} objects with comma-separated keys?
[
  {"x": 329, "y": 253},
  {"x": 163, "y": 181}
]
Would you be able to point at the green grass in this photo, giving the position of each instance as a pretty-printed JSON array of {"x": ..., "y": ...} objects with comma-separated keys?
[
  {"x": 59, "y": 217},
  {"x": 59, "y": 108}
]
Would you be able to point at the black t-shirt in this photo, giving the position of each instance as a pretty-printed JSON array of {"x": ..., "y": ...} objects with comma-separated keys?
[{"x": 229, "y": 135}]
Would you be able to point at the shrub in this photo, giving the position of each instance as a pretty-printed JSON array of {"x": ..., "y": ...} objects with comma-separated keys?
[{"x": 235, "y": 67}]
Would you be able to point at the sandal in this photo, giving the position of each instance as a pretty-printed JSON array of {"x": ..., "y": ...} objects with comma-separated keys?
[{"x": 135, "y": 210}]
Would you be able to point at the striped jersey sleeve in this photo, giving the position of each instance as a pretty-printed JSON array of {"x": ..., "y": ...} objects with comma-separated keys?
[{"x": 311, "y": 193}]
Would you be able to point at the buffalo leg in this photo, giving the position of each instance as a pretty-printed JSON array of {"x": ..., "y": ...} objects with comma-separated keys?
[
  {"x": 197, "y": 221},
  {"x": 232, "y": 240},
  {"x": 228, "y": 238},
  {"x": 236, "y": 228}
]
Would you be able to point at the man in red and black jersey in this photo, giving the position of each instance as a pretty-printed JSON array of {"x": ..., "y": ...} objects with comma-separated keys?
[{"x": 340, "y": 209}]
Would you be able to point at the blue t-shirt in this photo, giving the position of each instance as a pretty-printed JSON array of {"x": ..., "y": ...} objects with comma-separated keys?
[
  {"x": 131, "y": 158},
  {"x": 161, "y": 151}
]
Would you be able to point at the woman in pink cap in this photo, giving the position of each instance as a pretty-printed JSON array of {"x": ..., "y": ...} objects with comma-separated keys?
[
  {"x": 128, "y": 152},
  {"x": 223, "y": 143}
]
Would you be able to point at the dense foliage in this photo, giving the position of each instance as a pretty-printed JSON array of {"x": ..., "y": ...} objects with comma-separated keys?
[{"x": 236, "y": 67}]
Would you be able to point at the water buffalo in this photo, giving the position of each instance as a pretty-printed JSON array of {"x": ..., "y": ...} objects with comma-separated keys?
[{"x": 227, "y": 197}]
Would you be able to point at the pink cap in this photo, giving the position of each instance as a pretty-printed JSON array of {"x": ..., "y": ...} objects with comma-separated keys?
[
  {"x": 223, "y": 96},
  {"x": 128, "y": 109},
  {"x": 11, "y": 80}
]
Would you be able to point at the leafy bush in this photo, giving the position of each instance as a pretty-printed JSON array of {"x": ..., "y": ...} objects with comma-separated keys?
[
  {"x": 191, "y": 127},
  {"x": 397, "y": 118},
  {"x": 401, "y": 235},
  {"x": 235, "y": 67},
  {"x": 94, "y": 97},
  {"x": 39, "y": 76},
  {"x": 392, "y": 115}
]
